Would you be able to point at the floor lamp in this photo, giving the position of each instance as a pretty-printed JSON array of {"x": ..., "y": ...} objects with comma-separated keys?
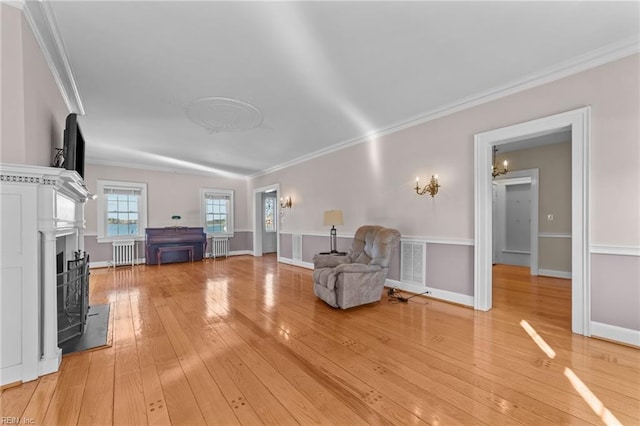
[{"x": 332, "y": 218}]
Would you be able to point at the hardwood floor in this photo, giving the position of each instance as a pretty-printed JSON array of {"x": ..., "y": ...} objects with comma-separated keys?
[{"x": 244, "y": 340}]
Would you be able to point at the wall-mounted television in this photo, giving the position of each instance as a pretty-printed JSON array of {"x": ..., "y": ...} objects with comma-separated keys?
[{"x": 73, "y": 145}]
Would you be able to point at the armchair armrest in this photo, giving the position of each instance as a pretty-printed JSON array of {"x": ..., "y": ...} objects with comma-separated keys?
[
  {"x": 328, "y": 261},
  {"x": 351, "y": 268}
]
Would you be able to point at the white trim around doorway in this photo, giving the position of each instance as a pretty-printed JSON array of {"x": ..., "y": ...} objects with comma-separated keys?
[{"x": 578, "y": 122}]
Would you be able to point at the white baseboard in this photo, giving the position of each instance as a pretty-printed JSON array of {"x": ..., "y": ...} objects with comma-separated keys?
[
  {"x": 613, "y": 332},
  {"x": 108, "y": 264},
  {"x": 554, "y": 274},
  {"x": 449, "y": 296},
  {"x": 300, "y": 263},
  {"x": 209, "y": 255},
  {"x": 12, "y": 374},
  {"x": 50, "y": 365}
]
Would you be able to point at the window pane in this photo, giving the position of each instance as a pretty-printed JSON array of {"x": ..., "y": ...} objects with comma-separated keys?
[
  {"x": 217, "y": 212},
  {"x": 122, "y": 214},
  {"x": 269, "y": 218}
]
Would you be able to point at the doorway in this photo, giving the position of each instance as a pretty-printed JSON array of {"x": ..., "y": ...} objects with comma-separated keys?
[
  {"x": 269, "y": 222},
  {"x": 578, "y": 123},
  {"x": 515, "y": 219},
  {"x": 266, "y": 226}
]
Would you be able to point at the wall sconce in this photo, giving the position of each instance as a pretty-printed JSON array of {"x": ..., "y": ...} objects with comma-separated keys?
[
  {"x": 431, "y": 188},
  {"x": 494, "y": 168},
  {"x": 286, "y": 203}
]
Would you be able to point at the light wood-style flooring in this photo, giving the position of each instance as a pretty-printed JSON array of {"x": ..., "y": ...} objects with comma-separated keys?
[{"x": 243, "y": 340}]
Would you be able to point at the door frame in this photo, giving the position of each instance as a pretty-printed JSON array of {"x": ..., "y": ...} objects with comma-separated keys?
[
  {"x": 257, "y": 218},
  {"x": 579, "y": 123}
]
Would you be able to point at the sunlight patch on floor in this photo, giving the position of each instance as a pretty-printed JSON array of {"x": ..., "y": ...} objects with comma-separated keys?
[
  {"x": 583, "y": 390},
  {"x": 596, "y": 405},
  {"x": 537, "y": 339}
]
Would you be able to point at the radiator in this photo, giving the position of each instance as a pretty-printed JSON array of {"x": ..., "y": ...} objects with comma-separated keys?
[
  {"x": 124, "y": 253},
  {"x": 219, "y": 247}
]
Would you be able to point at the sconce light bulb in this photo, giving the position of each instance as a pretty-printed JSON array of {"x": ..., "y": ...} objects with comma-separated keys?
[
  {"x": 435, "y": 177},
  {"x": 505, "y": 163}
]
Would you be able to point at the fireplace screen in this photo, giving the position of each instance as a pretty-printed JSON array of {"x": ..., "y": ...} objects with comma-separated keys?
[{"x": 73, "y": 297}]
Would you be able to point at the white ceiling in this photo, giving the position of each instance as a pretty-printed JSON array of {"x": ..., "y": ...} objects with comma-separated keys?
[{"x": 321, "y": 73}]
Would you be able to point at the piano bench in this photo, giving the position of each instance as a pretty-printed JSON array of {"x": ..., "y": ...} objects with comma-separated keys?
[{"x": 174, "y": 248}]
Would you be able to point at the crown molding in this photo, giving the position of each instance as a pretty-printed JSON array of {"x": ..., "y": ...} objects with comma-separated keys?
[
  {"x": 41, "y": 19},
  {"x": 592, "y": 59},
  {"x": 190, "y": 172}
]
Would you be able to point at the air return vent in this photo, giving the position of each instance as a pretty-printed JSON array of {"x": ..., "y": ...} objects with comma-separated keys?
[
  {"x": 412, "y": 262},
  {"x": 296, "y": 242}
]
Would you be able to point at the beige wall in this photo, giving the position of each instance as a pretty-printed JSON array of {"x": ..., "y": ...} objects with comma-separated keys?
[
  {"x": 373, "y": 181},
  {"x": 33, "y": 110},
  {"x": 12, "y": 148},
  {"x": 44, "y": 108},
  {"x": 554, "y": 190},
  {"x": 168, "y": 194}
]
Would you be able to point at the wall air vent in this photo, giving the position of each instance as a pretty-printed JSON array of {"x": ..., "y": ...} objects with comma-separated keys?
[
  {"x": 413, "y": 259},
  {"x": 296, "y": 242}
]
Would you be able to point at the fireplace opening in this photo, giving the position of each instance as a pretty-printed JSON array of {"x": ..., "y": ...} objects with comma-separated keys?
[
  {"x": 59, "y": 263},
  {"x": 73, "y": 295}
]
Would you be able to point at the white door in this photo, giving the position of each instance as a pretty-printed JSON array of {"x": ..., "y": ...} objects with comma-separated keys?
[
  {"x": 512, "y": 220},
  {"x": 269, "y": 223}
]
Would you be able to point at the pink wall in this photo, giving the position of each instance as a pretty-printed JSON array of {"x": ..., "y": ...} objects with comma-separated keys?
[
  {"x": 12, "y": 149},
  {"x": 372, "y": 182},
  {"x": 33, "y": 110},
  {"x": 612, "y": 276},
  {"x": 168, "y": 194}
]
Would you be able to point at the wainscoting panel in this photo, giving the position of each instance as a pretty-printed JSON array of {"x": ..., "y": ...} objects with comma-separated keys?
[{"x": 615, "y": 293}]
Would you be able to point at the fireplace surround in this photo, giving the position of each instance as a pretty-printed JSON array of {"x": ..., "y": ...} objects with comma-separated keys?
[{"x": 41, "y": 216}]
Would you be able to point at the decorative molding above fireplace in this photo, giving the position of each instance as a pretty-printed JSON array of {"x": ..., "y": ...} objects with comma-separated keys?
[{"x": 40, "y": 208}]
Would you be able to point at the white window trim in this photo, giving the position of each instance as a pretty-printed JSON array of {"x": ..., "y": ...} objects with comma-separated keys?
[
  {"x": 102, "y": 210},
  {"x": 203, "y": 203}
]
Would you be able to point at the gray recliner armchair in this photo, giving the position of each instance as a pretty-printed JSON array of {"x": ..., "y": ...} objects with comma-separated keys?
[{"x": 358, "y": 277}]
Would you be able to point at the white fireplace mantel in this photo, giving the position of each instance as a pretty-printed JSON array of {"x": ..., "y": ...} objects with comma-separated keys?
[{"x": 37, "y": 206}]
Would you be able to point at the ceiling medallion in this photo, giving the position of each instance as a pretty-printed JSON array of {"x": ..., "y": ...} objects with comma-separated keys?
[{"x": 219, "y": 114}]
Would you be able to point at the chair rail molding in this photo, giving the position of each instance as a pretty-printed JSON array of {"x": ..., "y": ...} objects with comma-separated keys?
[{"x": 615, "y": 250}]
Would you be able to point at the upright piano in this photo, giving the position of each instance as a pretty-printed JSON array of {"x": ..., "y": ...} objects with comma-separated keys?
[{"x": 174, "y": 244}]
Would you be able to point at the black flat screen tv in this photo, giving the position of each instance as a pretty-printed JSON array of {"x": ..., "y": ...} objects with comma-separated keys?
[{"x": 73, "y": 145}]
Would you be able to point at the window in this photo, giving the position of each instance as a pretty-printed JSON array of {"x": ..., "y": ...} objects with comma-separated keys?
[
  {"x": 217, "y": 211},
  {"x": 122, "y": 210},
  {"x": 269, "y": 214}
]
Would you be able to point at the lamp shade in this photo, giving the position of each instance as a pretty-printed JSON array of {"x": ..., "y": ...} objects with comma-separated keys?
[{"x": 332, "y": 217}]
